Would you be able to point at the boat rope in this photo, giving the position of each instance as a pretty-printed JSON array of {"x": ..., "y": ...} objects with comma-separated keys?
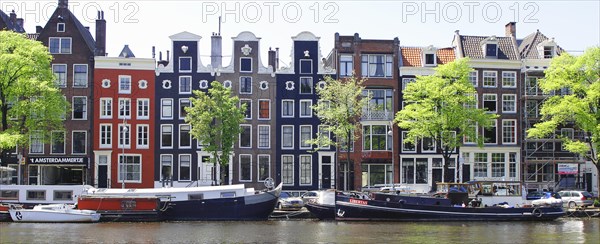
[{"x": 287, "y": 216}]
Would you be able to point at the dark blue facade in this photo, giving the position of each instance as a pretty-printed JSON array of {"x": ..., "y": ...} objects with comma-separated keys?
[
  {"x": 290, "y": 89},
  {"x": 181, "y": 157}
]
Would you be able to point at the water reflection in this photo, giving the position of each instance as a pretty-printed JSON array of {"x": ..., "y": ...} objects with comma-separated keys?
[{"x": 307, "y": 231}]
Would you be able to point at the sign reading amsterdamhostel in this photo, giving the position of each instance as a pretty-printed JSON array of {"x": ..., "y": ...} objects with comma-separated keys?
[{"x": 57, "y": 160}]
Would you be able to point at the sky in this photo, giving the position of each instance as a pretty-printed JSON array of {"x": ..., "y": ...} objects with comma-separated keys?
[{"x": 575, "y": 25}]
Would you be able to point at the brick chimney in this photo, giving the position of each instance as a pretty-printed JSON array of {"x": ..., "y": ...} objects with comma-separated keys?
[
  {"x": 100, "y": 35},
  {"x": 272, "y": 56},
  {"x": 216, "y": 55},
  {"x": 13, "y": 17},
  {"x": 511, "y": 29},
  {"x": 63, "y": 3}
]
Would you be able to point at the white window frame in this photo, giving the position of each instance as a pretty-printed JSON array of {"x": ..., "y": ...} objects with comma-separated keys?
[
  {"x": 143, "y": 141},
  {"x": 105, "y": 139},
  {"x": 249, "y": 156},
  {"x": 514, "y": 103},
  {"x": 58, "y": 27},
  {"x": 406, "y": 81},
  {"x": 106, "y": 105},
  {"x": 189, "y": 131},
  {"x": 487, "y": 74},
  {"x": 301, "y": 171},
  {"x": 514, "y": 79},
  {"x": 182, "y": 86},
  {"x": 64, "y": 142},
  {"x": 428, "y": 151},
  {"x": 240, "y": 85},
  {"x": 260, "y": 141},
  {"x": 292, "y": 168},
  {"x": 162, "y": 163},
  {"x": 346, "y": 62},
  {"x": 181, "y": 107},
  {"x": 312, "y": 85},
  {"x": 403, "y": 149},
  {"x": 248, "y": 107},
  {"x": 85, "y": 107},
  {"x": 321, "y": 129},
  {"x": 60, "y": 40},
  {"x": 240, "y": 136},
  {"x": 387, "y": 59},
  {"x": 119, "y": 167},
  {"x": 87, "y": 71},
  {"x": 180, "y": 166},
  {"x": 143, "y": 105},
  {"x": 123, "y": 79},
  {"x": 300, "y": 66},
  {"x": 258, "y": 157},
  {"x": 283, "y": 139},
  {"x": 127, "y": 136},
  {"x": 62, "y": 83},
  {"x": 84, "y": 142},
  {"x": 39, "y": 142},
  {"x": 269, "y": 107},
  {"x": 126, "y": 113},
  {"x": 251, "y": 68},
  {"x": 182, "y": 70},
  {"x": 495, "y": 100},
  {"x": 163, "y": 106},
  {"x": 475, "y": 81},
  {"x": 300, "y": 142},
  {"x": 161, "y": 136},
  {"x": 514, "y": 132},
  {"x": 309, "y": 101},
  {"x": 283, "y": 102},
  {"x": 495, "y": 131}
]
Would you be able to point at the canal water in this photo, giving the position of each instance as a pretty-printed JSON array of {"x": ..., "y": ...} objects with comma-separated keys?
[{"x": 306, "y": 231}]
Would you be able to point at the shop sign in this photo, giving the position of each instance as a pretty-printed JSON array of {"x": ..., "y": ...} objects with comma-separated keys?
[
  {"x": 567, "y": 169},
  {"x": 58, "y": 160}
]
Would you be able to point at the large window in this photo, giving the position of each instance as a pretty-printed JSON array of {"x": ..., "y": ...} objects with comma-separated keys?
[
  {"x": 80, "y": 75},
  {"x": 264, "y": 109},
  {"x": 166, "y": 166},
  {"x": 490, "y": 78},
  {"x": 245, "y": 85},
  {"x": 380, "y": 107},
  {"x": 509, "y": 131},
  {"x": 79, "y": 142},
  {"x": 306, "y": 85},
  {"x": 346, "y": 66},
  {"x": 305, "y": 66},
  {"x": 264, "y": 167},
  {"x": 166, "y": 108},
  {"x": 376, "y": 138},
  {"x": 79, "y": 108},
  {"x": 406, "y": 81},
  {"x": 491, "y": 50},
  {"x": 473, "y": 77},
  {"x": 59, "y": 45},
  {"x": 143, "y": 108},
  {"x": 185, "y": 167},
  {"x": 489, "y": 102},
  {"x": 305, "y": 136},
  {"x": 143, "y": 132},
  {"x": 325, "y": 133},
  {"x": 287, "y": 169},
  {"x": 58, "y": 142},
  {"x": 248, "y": 111},
  {"x": 246, "y": 136},
  {"x": 166, "y": 136},
  {"x": 124, "y": 108},
  {"x": 509, "y": 103},
  {"x": 408, "y": 170},
  {"x": 305, "y": 169},
  {"x": 287, "y": 136},
  {"x": 183, "y": 103},
  {"x": 245, "y": 167},
  {"x": 185, "y": 85},
  {"x": 60, "y": 71},
  {"x": 124, "y": 136},
  {"x": 305, "y": 108},
  {"x": 498, "y": 165},
  {"x": 490, "y": 133},
  {"x": 130, "y": 168},
  {"x": 185, "y": 138},
  {"x": 124, "y": 84},
  {"x": 480, "y": 165},
  {"x": 287, "y": 108},
  {"x": 509, "y": 79},
  {"x": 264, "y": 136},
  {"x": 105, "y": 136},
  {"x": 377, "y": 65},
  {"x": 106, "y": 108},
  {"x": 512, "y": 164},
  {"x": 408, "y": 146}
]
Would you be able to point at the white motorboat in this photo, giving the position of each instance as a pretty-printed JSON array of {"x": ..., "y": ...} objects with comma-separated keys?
[{"x": 53, "y": 213}]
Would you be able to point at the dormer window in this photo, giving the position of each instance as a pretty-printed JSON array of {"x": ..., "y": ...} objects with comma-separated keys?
[
  {"x": 547, "y": 49},
  {"x": 430, "y": 59},
  {"x": 548, "y": 52},
  {"x": 60, "y": 27},
  {"x": 491, "y": 50}
]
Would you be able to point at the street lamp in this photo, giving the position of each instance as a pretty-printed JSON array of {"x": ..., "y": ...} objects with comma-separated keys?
[
  {"x": 391, "y": 134},
  {"x": 122, "y": 142}
]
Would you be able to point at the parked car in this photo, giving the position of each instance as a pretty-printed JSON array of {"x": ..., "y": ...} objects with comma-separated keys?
[
  {"x": 535, "y": 195},
  {"x": 288, "y": 202},
  {"x": 309, "y": 196},
  {"x": 548, "y": 199},
  {"x": 572, "y": 198}
]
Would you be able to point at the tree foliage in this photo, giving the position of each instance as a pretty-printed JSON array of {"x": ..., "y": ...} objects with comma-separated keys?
[
  {"x": 442, "y": 107},
  {"x": 30, "y": 100},
  {"x": 576, "y": 81},
  {"x": 215, "y": 118},
  {"x": 340, "y": 107}
]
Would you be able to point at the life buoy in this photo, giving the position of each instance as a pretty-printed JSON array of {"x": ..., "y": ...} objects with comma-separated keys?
[{"x": 537, "y": 212}]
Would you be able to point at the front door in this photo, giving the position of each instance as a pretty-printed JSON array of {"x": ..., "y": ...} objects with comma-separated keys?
[
  {"x": 102, "y": 176},
  {"x": 437, "y": 176},
  {"x": 326, "y": 174}
]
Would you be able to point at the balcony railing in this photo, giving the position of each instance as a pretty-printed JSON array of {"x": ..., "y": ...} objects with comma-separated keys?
[{"x": 377, "y": 115}]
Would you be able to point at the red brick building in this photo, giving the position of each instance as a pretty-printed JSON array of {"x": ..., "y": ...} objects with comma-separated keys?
[{"x": 124, "y": 121}]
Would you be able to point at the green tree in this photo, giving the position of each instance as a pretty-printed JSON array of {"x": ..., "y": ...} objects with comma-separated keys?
[
  {"x": 441, "y": 107},
  {"x": 340, "y": 108},
  {"x": 578, "y": 107},
  {"x": 215, "y": 118},
  {"x": 30, "y": 100}
]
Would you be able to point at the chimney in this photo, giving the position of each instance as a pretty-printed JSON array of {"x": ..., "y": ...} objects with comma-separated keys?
[
  {"x": 168, "y": 56},
  {"x": 216, "y": 55},
  {"x": 63, "y": 3},
  {"x": 38, "y": 29},
  {"x": 276, "y": 58},
  {"x": 511, "y": 29},
  {"x": 19, "y": 23},
  {"x": 153, "y": 52},
  {"x": 272, "y": 58},
  {"x": 100, "y": 34},
  {"x": 13, "y": 17}
]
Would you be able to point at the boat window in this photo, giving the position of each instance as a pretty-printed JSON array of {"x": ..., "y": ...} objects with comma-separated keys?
[
  {"x": 36, "y": 195},
  {"x": 196, "y": 196},
  {"x": 63, "y": 195},
  {"x": 9, "y": 194},
  {"x": 228, "y": 194}
]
